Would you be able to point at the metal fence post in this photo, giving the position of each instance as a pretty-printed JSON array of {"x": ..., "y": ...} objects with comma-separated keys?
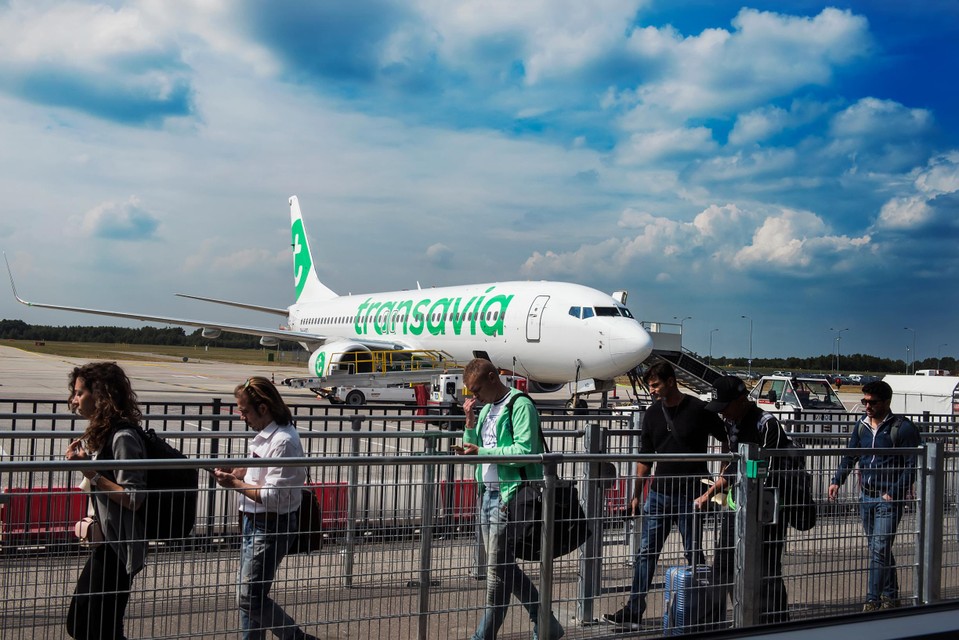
[
  {"x": 590, "y": 560},
  {"x": 426, "y": 542},
  {"x": 546, "y": 556},
  {"x": 215, "y": 409},
  {"x": 749, "y": 542},
  {"x": 356, "y": 423},
  {"x": 930, "y": 555}
]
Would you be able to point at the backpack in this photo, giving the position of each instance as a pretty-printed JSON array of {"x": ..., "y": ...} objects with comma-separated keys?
[
  {"x": 795, "y": 488},
  {"x": 169, "y": 511},
  {"x": 570, "y": 526}
]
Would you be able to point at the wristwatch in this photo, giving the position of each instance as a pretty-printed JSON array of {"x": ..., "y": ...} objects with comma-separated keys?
[{"x": 95, "y": 478}]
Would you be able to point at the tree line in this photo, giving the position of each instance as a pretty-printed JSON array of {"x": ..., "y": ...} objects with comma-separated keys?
[
  {"x": 166, "y": 336},
  {"x": 852, "y": 363}
]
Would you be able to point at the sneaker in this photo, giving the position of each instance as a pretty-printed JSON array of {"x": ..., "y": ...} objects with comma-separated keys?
[
  {"x": 888, "y": 603},
  {"x": 625, "y": 618},
  {"x": 870, "y": 606},
  {"x": 556, "y": 630}
]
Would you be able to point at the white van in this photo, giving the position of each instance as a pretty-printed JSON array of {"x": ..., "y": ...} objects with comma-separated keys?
[{"x": 807, "y": 395}]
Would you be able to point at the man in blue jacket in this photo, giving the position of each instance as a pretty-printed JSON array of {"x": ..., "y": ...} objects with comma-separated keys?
[
  {"x": 886, "y": 481},
  {"x": 508, "y": 503}
]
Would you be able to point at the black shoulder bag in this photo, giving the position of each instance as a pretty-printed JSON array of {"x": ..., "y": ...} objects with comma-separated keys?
[{"x": 570, "y": 529}]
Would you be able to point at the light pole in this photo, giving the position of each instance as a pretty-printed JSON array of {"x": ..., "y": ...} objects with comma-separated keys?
[
  {"x": 709, "y": 360},
  {"x": 939, "y": 354},
  {"x": 913, "y": 349},
  {"x": 749, "y": 369},
  {"x": 681, "y": 321},
  {"x": 838, "y": 340},
  {"x": 907, "y": 358}
]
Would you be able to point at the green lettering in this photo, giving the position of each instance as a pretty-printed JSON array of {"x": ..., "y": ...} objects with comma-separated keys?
[
  {"x": 404, "y": 308},
  {"x": 438, "y": 326},
  {"x": 418, "y": 320},
  {"x": 497, "y": 305},
  {"x": 359, "y": 315},
  {"x": 460, "y": 316},
  {"x": 386, "y": 309}
]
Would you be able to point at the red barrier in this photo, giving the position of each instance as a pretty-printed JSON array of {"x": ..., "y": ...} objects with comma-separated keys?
[
  {"x": 464, "y": 499},
  {"x": 38, "y": 516},
  {"x": 332, "y": 497}
]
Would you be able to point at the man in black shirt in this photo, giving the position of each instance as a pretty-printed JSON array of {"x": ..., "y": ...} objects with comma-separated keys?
[
  {"x": 675, "y": 423},
  {"x": 747, "y": 423}
]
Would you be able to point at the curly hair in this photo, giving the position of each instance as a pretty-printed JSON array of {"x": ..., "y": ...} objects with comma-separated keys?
[
  {"x": 114, "y": 400},
  {"x": 260, "y": 391}
]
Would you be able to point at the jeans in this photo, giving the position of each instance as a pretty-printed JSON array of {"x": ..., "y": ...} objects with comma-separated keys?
[
  {"x": 503, "y": 575},
  {"x": 265, "y": 543},
  {"x": 880, "y": 519},
  {"x": 660, "y": 511},
  {"x": 100, "y": 598}
]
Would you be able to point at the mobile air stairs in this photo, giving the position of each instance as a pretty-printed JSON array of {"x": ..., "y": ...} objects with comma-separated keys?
[{"x": 691, "y": 372}]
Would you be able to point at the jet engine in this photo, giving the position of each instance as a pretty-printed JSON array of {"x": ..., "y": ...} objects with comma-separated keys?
[
  {"x": 543, "y": 387},
  {"x": 341, "y": 356}
]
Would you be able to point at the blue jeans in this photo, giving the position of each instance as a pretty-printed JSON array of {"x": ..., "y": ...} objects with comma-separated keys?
[
  {"x": 660, "y": 511},
  {"x": 880, "y": 519},
  {"x": 503, "y": 575},
  {"x": 265, "y": 543}
]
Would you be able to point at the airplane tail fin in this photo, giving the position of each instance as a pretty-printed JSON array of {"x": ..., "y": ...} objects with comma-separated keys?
[{"x": 308, "y": 285}]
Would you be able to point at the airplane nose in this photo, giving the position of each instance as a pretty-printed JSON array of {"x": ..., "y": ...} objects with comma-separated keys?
[{"x": 630, "y": 346}]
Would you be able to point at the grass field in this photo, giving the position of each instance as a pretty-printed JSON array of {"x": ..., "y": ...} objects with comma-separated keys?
[{"x": 153, "y": 353}]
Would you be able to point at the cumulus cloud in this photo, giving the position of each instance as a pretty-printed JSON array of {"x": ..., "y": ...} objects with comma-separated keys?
[
  {"x": 120, "y": 221},
  {"x": 928, "y": 204},
  {"x": 765, "y": 55},
  {"x": 440, "y": 255},
  {"x": 721, "y": 239},
  {"x": 105, "y": 61}
]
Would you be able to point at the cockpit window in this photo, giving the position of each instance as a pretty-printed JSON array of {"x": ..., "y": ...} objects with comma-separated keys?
[
  {"x": 575, "y": 311},
  {"x": 607, "y": 311},
  {"x": 625, "y": 312},
  {"x": 587, "y": 312}
]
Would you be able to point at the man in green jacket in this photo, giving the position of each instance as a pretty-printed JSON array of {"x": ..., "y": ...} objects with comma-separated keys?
[{"x": 508, "y": 500}]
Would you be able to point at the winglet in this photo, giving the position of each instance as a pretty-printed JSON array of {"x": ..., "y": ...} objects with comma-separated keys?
[
  {"x": 307, "y": 283},
  {"x": 12, "y": 284}
]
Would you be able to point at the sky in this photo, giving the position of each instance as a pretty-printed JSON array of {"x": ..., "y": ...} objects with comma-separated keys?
[{"x": 791, "y": 161}]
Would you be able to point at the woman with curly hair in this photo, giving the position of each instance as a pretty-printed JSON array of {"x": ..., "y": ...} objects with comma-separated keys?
[{"x": 100, "y": 392}]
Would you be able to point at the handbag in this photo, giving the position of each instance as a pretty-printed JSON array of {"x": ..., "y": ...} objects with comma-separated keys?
[
  {"x": 570, "y": 526},
  {"x": 309, "y": 535},
  {"x": 89, "y": 531}
]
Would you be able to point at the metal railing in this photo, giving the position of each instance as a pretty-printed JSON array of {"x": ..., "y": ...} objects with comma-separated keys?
[{"x": 402, "y": 557}]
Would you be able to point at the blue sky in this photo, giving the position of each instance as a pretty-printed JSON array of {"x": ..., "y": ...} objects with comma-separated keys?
[{"x": 796, "y": 162}]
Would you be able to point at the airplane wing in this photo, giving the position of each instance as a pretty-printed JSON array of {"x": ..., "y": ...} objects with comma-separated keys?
[
  {"x": 313, "y": 339},
  {"x": 241, "y": 305},
  {"x": 279, "y": 334}
]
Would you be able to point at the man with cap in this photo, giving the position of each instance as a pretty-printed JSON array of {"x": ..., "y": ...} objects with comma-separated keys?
[
  {"x": 679, "y": 424},
  {"x": 746, "y": 423}
]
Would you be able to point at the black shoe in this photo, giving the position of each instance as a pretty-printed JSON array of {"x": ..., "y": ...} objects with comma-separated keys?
[{"x": 625, "y": 618}]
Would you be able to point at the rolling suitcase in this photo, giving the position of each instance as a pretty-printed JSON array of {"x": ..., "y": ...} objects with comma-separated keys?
[{"x": 691, "y": 602}]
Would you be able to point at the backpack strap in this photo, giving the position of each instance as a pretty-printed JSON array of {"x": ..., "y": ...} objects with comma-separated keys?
[
  {"x": 893, "y": 429},
  {"x": 509, "y": 419}
]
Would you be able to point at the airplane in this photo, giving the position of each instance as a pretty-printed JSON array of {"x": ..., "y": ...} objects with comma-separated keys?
[{"x": 550, "y": 332}]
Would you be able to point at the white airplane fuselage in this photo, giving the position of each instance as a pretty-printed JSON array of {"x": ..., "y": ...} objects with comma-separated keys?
[{"x": 532, "y": 328}]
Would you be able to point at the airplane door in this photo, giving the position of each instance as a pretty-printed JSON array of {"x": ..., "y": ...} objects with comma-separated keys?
[{"x": 534, "y": 319}]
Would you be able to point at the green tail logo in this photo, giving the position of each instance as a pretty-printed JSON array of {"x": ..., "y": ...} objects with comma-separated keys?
[{"x": 302, "y": 261}]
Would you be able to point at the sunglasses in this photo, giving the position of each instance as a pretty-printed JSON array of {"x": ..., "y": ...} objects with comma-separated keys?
[{"x": 867, "y": 402}]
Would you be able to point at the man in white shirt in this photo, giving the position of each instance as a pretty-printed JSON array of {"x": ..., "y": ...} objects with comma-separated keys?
[{"x": 269, "y": 500}]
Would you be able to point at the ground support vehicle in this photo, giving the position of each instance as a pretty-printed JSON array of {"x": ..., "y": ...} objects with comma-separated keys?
[{"x": 813, "y": 398}]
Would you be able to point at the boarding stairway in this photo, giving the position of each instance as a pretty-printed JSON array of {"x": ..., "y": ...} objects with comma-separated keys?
[{"x": 691, "y": 372}]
